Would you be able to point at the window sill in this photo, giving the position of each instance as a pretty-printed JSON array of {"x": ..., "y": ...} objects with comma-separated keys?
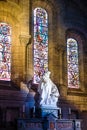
[{"x": 76, "y": 92}]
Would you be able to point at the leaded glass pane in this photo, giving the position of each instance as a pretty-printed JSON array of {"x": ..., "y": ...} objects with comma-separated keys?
[
  {"x": 40, "y": 43},
  {"x": 5, "y": 52},
  {"x": 72, "y": 59}
]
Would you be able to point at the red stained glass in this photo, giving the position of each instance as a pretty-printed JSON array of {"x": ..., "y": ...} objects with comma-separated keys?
[
  {"x": 40, "y": 43},
  {"x": 5, "y": 52},
  {"x": 72, "y": 60}
]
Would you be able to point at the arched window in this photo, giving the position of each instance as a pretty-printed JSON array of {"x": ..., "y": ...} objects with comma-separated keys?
[
  {"x": 5, "y": 52},
  {"x": 72, "y": 60},
  {"x": 40, "y": 43}
]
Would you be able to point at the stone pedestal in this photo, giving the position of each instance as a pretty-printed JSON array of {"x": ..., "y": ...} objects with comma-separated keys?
[
  {"x": 48, "y": 124},
  {"x": 47, "y": 110}
]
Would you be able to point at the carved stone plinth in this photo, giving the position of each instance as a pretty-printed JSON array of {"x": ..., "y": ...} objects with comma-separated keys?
[
  {"x": 47, "y": 110},
  {"x": 48, "y": 124}
]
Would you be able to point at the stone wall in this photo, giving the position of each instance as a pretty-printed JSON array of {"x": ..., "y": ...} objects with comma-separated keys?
[{"x": 63, "y": 16}]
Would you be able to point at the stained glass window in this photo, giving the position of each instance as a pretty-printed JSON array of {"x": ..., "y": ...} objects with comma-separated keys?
[
  {"x": 5, "y": 52},
  {"x": 72, "y": 60},
  {"x": 40, "y": 43}
]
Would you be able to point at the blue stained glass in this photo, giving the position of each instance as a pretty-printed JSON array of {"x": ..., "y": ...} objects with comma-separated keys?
[
  {"x": 72, "y": 60},
  {"x": 40, "y": 43},
  {"x": 5, "y": 52}
]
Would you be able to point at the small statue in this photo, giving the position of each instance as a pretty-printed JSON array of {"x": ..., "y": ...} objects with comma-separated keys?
[{"x": 48, "y": 91}]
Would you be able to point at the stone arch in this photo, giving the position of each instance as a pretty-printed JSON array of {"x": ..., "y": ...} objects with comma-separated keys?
[
  {"x": 52, "y": 18},
  {"x": 10, "y": 9}
]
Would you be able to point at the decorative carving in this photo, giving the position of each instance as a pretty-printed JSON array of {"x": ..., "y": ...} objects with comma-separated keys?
[{"x": 24, "y": 39}]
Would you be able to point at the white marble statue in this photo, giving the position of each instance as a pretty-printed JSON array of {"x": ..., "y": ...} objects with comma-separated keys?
[{"x": 48, "y": 91}]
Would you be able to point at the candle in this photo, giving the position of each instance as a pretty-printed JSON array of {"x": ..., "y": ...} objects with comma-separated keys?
[
  {"x": 23, "y": 108},
  {"x": 60, "y": 111},
  {"x": 69, "y": 110},
  {"x": 34, "y": 109}
]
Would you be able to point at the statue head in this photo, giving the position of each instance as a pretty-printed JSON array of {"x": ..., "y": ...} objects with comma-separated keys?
[{"x": 46, "y": 76}]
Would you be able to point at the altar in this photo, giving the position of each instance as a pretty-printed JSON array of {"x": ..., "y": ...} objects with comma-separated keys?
[
  {"x": 44, "y": 113},
  {"x": 48, "y": 124}
]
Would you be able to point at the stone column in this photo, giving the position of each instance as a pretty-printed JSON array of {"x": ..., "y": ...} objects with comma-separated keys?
[
  {"x": 61, "y": 49},
  {"x": 4, "y": 116},
  {"x": 24, "y": 40}
]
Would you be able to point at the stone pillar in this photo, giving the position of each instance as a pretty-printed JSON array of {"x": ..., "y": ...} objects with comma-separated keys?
[
  {"x": 24, "y": 40},
  {"x": 60, "y": 49}
]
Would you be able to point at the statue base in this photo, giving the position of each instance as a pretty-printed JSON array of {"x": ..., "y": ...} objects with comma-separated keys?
[
  {"x": 48, "y": 124},
  {"x": 44, "y": 111}
]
